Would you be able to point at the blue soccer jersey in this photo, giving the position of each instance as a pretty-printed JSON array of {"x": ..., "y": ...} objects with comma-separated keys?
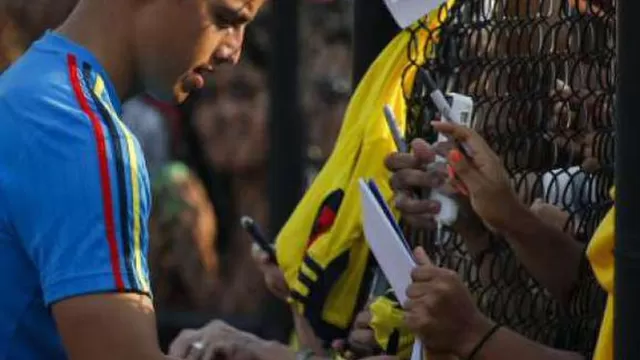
[{"x": 74, "y": 194}]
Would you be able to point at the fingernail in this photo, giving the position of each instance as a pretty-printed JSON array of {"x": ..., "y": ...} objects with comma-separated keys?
[{"x": 455, "y": 156}]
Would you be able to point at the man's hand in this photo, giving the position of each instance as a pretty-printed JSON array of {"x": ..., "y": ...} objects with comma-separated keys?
[
  {"x": 217, "y": 340},
  {"x": 409, "y": 174},
  {"x": 440, "y": 310},
  {"x": 273, "y": 276},
  {"x": 484, "y": 176}
]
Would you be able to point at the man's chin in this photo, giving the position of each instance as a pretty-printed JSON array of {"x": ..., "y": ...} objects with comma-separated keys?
[{"x": 180, "y": 98}]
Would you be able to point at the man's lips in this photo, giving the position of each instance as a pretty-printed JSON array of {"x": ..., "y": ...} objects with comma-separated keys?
[{"x": 195, "y": 79}]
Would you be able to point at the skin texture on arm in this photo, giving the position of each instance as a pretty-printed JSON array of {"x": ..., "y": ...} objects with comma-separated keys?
[
  {"x": 505, "y": 343},
  {"x": 108, "y": 326}
]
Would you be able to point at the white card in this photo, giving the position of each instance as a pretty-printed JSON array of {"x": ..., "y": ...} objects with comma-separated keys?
[
  {"x": 393, "y": 256},
  {"x": 406, "y": 12},
  {"x": 388, "y": 246}
]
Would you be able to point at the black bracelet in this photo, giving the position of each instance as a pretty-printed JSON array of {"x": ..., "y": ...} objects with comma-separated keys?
[{"x": 484, "y": 340}]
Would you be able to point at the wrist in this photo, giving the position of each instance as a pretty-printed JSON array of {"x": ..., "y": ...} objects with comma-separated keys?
[
  {"x": 273, "y": 350},
  {"x": 520, "y": 218},
  {"x": 468, "y": 222},
  {"x": 476, "y": 331}
]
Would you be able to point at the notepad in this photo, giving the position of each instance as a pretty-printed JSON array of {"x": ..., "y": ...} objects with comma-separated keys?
[
  {"x": 388, "y": 244},
  {"x": 386, "y": 240}
]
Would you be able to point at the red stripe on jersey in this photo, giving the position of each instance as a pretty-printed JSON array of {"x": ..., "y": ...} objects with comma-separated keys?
[{"x": 105, "y": 180}]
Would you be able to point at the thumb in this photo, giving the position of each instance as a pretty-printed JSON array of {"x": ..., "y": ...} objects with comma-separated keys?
[{"x": 421, "y": 256}]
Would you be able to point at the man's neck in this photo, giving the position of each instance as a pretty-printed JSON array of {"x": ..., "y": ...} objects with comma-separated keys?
[{"x": 91, "y": 25}]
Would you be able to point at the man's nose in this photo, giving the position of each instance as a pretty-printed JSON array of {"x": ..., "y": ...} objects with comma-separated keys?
[{"x": 231, "y": 47}]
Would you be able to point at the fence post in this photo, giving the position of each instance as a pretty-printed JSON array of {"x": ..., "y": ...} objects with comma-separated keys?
[
  {"x": 627, "y": 179},
  {"x": 373, "y": 28},
  {"x": 286, "y": 157},
  {"x": 286, "y": 142}
]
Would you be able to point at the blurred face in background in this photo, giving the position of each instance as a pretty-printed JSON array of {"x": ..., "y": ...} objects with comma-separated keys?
[
  {"x": 328, "y": 99},
  {"x": 232, "y": 120},
  {"x": 184, "y": 229}
]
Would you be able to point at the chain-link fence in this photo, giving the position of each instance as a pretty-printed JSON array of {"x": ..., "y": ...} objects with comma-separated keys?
[{"x": 542, "y": 75}]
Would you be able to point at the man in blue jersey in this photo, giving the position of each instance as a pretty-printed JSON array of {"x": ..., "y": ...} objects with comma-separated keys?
[{"x": 74, "y": 190}]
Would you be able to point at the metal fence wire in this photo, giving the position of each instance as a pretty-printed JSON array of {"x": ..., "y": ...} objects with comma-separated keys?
[{"x": 542, "y": 76}]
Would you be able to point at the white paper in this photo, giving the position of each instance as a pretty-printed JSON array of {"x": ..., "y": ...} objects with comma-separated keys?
[
  {"x": 416, "y": 352},
  {"x": 406, "y": 12},
  {"x": 389, "y": 249},
  {"x": 393, "y": 257}
]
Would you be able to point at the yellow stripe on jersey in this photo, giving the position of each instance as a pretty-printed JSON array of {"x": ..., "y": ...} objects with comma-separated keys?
[{"x": 99, "y": 89}]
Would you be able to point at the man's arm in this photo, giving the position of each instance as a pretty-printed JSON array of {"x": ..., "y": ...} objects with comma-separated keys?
[
  {"x": 506, "y": 344},
  {"x": 550, "y": 255},
  {"x": 79, "y": 204},
  {"x": 108, "y": 326}
]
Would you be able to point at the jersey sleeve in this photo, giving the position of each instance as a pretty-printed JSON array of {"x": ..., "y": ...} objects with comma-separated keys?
[{"x": 79, "y": 197}]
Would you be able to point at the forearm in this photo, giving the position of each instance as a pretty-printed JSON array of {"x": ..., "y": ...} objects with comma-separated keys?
[
  {"x": 506, "y": 344},
  {"x": 550, "y": 255},
  {"x": 482, "y": 247},
  {"x": 475, "y": 235}
]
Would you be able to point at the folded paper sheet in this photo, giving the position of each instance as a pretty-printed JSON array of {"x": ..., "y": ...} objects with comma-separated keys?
[{"x": 388, "y": 244}]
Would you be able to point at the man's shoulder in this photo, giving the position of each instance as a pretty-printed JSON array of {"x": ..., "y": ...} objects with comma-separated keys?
[
  {"x": 37, "y": 74},
  {"x": 38, "y": 93}
]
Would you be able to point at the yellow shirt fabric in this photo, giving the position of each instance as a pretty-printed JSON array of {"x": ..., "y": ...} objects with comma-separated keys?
[{"x": 600, "y": 254}]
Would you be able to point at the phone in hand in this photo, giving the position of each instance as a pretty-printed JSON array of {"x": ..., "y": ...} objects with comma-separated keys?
[{"x": 257, "y": 235}]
